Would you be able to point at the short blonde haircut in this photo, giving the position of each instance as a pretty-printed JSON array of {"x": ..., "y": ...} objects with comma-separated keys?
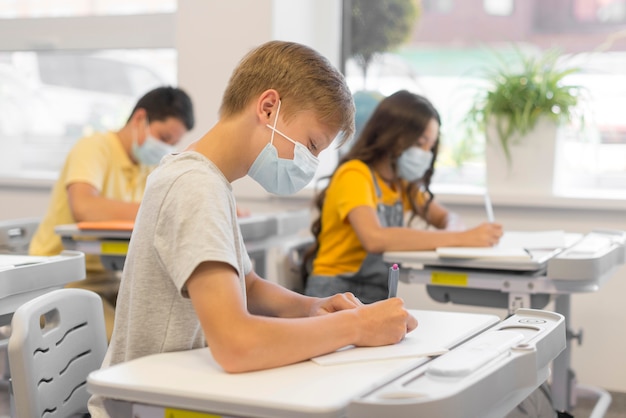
[{"x": 304, "y": 79}]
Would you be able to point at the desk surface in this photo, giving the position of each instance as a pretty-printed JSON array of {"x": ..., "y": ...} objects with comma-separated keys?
[
  {"x": 201, "y": 379},
  {"x": 254, "y": 227},
  {"x": 25, "y": 277},
  {"x": 192, "y": 380}
]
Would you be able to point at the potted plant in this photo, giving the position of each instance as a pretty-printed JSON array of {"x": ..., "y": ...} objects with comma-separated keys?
[{"x": 519, "y": 113}]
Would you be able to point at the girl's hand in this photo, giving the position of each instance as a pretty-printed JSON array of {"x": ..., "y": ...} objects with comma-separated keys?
[{"x": 486, "y": 234}]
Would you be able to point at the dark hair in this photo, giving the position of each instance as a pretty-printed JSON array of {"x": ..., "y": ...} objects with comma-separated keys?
[
  {"x": 164, "y": 102},
  {"x": 396, "y": 124}
]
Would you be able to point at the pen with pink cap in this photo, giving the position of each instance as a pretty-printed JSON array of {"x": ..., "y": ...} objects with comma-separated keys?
[{"x": 394, "y": 275}]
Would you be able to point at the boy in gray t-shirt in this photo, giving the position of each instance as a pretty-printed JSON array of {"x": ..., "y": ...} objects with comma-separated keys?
[{"x": 188, "y": 281}]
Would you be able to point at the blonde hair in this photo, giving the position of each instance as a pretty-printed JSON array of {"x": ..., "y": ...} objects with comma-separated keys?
[{"x": 304, "y": 79}]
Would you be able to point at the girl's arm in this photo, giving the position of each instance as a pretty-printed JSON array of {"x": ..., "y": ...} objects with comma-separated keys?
[{"x": 378, "y": 239}]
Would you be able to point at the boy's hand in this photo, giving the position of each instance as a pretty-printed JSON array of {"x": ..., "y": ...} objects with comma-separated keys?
[
  {"x": 334, "y": 303},
  {"x": 384, "y": 322}
]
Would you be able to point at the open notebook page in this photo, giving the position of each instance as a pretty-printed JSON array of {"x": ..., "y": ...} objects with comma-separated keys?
[
  {"x": 412, "y": 346},
  {"x": 514, "y": 245}
]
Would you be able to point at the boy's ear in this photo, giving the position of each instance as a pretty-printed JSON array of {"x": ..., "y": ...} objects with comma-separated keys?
[
  {"x": 267, "y": 105},
  {"x": 139, "y": 115}
]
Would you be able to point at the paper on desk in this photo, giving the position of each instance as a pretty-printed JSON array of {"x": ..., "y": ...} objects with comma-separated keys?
[
  {"x": 533, "y": 240},
  {"x": 483, "y": 252},
  {"x": 411, "y": 346},
  {"x": 513, "y": 245}
]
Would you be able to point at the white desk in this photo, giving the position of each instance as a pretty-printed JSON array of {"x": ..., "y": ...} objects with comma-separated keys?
[
  {"x": 259, "y": 232},
  {"x": 168, "y": 384},
  {"x": 25, "y": 277},
  {"x": 583, "y": 266}
]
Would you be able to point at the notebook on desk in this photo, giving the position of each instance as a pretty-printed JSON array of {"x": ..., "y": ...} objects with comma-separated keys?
[
  {"x": 484, "y": 252},
  {"x": 106, "y": 225},
  {"x": 514, "y": 245},
  {"x": 506, "y": 256}
]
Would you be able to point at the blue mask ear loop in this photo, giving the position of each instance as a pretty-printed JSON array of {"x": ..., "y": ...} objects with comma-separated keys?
[{"x": 275, "y": 123}]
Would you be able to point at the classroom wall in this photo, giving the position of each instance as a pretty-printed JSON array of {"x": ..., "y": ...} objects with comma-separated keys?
[{"x": 211, "y": 38}]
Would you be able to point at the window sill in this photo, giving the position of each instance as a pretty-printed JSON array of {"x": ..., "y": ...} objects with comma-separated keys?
[
  {"x": 26, "y": 182},
  {"x": 578, "y": 200}
]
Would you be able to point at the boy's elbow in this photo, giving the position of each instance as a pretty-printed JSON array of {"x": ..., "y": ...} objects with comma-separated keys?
[
  {"x": 234, "y": 358},
  {"x": 80, "y": 210}
]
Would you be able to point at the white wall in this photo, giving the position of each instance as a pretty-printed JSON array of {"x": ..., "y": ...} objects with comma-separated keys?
[{"x": 211, "y": 36}]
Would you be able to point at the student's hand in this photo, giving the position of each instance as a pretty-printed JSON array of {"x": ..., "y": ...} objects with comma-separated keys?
[
  {"x": 486, "y": 234},
  {"x": 384, "y": 322},
  {"x": 242, "y": 212},
  {"x": 334, "y": 303}
]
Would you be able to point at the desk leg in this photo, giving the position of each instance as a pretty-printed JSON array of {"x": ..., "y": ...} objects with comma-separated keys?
[
  {"x": 563, "y": 378},
  {"x": 517, "y": 301}
]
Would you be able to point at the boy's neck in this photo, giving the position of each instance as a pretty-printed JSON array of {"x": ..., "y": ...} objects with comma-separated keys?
[
  {"x": 230, "y": 145},
  {"x": 125, "y": 135}
]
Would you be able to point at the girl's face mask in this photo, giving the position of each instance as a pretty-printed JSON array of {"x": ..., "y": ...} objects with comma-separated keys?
[{"x": 413, "y": 163}]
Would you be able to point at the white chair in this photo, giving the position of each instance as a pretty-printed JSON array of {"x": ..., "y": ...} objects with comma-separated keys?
[
  {"x": 15, "y": 235},
  {"x": 57, "y": 339}
]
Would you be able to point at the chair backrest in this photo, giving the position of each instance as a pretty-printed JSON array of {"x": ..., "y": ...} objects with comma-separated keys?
[
  {"x": 57, "y": 339},
  {"x": 15, "y": 235}
]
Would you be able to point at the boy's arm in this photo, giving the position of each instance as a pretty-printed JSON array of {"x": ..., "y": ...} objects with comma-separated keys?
[
  {"x": 87, "y": 204},
  {"x": 270, "y": 299},
  {"x": 241, "y": 341}
]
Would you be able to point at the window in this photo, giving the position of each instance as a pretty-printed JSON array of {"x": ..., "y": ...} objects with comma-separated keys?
[
  {"x": 498, "y": 7},
  {"x": 444, "y": 56},
  {"x": 65, "y": 8},
  {"x": 57, "y": 85}
]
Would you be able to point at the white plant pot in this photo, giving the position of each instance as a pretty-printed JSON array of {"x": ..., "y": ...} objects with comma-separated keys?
[{"x": 531, "y": 168}]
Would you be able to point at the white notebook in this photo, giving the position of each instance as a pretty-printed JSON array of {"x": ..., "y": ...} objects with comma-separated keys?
[
  {"x": 514, "y": 245},
  {"x": 484, "y": 252},
  {"x": 412, "y": 346}
]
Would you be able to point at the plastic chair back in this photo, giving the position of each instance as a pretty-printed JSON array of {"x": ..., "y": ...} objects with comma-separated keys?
[{"x": 57, "y": 339}]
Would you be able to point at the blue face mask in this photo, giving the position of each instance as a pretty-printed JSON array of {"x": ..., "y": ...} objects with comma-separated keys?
[
  {"x": 413, "y": 163},
  {"x": 283, "y": 176},
  {"x": 151, "y": 151}
]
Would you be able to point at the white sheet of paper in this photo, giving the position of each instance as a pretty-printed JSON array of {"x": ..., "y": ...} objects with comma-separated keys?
[
  {"x": 411, "y": 346},
  {"x": 513, "y": 245},
  {"x": 483, "y": 252},
  {"x": 533, "y": 240}
]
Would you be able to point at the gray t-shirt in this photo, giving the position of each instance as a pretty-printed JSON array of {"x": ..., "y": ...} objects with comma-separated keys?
[{"x": 187, "y": 216}]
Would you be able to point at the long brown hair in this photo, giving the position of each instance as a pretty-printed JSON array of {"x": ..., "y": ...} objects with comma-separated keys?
[{"x": 395, "y": 125}]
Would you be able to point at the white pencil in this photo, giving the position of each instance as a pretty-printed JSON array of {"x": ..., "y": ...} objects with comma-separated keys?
[{"x": 489, "y": 208}]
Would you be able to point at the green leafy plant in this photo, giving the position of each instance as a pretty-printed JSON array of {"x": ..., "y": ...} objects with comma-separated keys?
[{"x": 521, "y": 93}]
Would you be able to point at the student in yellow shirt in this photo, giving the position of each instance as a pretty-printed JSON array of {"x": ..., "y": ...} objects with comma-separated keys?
[
  {"x": 104, "y": 177},
  {"x": 384, "y": 177}
]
